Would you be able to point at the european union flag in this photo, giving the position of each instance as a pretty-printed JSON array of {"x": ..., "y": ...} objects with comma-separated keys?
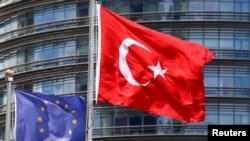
[{"x": 41, "y": 117}]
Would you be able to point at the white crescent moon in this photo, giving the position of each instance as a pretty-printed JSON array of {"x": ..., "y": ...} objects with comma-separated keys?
[{"x": 123, "y": 65}]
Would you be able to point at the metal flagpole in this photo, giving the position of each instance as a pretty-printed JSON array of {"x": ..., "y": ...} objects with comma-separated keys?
[
  {"x": 90, "y": 72},
  {"x": 9, "y": 79}
]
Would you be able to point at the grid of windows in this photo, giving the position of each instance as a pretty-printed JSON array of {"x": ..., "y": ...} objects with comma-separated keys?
[
  {"x": 43, "y": 14},
  {"x": 67, "y": 84},
  {"x": 44, "y": 51},
  {"x": 49, "y": 14},
  {"x": 127, "y": 121},
  {"x": 227, "y": 76},
  {"x": 177, "y": 5}
]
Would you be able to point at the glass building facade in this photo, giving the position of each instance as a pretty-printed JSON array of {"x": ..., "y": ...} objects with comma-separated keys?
[{"x": 46, "y": 44}]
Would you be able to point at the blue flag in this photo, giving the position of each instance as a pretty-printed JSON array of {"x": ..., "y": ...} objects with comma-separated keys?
[{"x": 41, "y": 117}]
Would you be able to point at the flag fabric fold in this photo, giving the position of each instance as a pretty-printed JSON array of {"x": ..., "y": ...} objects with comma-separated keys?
[
  {"x": 49, "y": 117},
  {"x": 148, "y": 70}
]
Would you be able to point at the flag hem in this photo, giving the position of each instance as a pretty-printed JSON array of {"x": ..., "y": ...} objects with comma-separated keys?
[
  {"x": 98, "y": 64},
  {"x": 15, "y": 115}
]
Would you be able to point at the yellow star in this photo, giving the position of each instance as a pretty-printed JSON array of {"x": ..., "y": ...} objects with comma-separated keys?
[
  {"x": 41, "y": 130},
  {"x": 74, "y": 121},
  {"x": 47, "y": 139},
  {"x": 46, "y": 102},
  {"x": 64, "y": 139},
  {"x": 42, "y": 109},
  {"x": 57, "y": 102},
  {"x": 39, "y": 119},
  {"x": 70, "y": 132},
  {"x": 73, "y": 111},
  {"x": 66, "y": 106}
]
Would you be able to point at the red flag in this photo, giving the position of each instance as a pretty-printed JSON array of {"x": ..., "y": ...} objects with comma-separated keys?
[{"x": 149, "y": 70}]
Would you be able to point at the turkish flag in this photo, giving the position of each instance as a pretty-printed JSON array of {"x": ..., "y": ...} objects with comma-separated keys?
[{"x": 150, "y": 71}]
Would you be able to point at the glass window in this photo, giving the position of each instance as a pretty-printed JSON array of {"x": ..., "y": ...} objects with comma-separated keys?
[
  {"x": 242, "y": 6},
  {"x": 70, "y": 12},
  {"x": 29, "y": 18},
  {"x": 242, "y": 39},
  {"x": 165, "y": 125},
  {"x": 226, "y": 80},
  {"x": 211, "y": 81},
  {"x": 2, "y": 132},
  {"x": 38, "y": 18},
  {"x": 6, "y": 61},
  {"x": 1, "y": 29},
  {"x": 14, "y": 24},
  {"x": 47, "y": 52},
  {"x": 241, "y": 115},
  {"x": 55, "y": 13},
  {"x": 2, "y": 63},
  {"x": 226, "y": 114},
  {"x": 226, "y": 118},
  {"x": 245, "y": 44},
  {"x": 238, "y": 44},
  {"x": 21, "y": 22},
  {"x": 242, "y": 80},
  {"x": 245, "y": 119},
  {"x": 70, "y": 48},
  {"x": 245, "y": 7},
  {"x": 59, "y": 13},
  {"x": 28, "y": 87},
  {"x": 97, "y": 118},
  {"x": 58, "y": 87},
  {"x": 149, "y": 120},
  {"x": 13, "y": 59},
  {"x": 59, "y": 49},
  {"x": 226, "y": 6},
  {"x": 48, "y": 15},
  {"x": 195, "y": 5},
  {"x": 211, "y": 6},
  {"x": 83, "y": 10},
  {"x": 37, "y": 87},
  {"x": 69, "y": 85},
  {"x": 81, "y": 82},
  {"x": 29, "y": 54},
  {"x": 1, "y": 98},
  {"x": 199, "y": 41},
  {"x": 37, "y": 54},
  {"x": 211, "y": 43},
  {"x": 238, "y": 119},
  {"x": 47, "y": 87},
  {"x": 82, "y": 45},
  {"x": 136, "y": 7},
  {"x": 166, "y": 6},
  {"x": 212, "y": 118},
  {"x": 7, "y": 27},
  {"x": 226, "y": 43},
  {"x": 181, "y": 5}
]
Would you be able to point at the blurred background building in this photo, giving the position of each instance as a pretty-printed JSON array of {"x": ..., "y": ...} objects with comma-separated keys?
[{"x": 46, "y": 43}]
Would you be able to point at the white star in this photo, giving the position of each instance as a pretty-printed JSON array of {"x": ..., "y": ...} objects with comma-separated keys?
[{"x": 158, "y": 70}]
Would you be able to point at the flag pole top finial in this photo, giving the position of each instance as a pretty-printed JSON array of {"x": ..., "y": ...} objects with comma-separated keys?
[{"x": 9, "y": 73}]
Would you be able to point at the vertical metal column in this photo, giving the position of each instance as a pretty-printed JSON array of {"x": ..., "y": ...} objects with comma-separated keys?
[
  {"x": 9, "y": 79},
  {"x": 90, "y": 72}
]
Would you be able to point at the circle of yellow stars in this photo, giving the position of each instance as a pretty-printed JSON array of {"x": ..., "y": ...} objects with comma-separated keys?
[{"x": 40, "y": 119}]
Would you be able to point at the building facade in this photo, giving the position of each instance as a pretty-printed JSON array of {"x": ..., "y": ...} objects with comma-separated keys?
[{"x": 46, "y": 44}]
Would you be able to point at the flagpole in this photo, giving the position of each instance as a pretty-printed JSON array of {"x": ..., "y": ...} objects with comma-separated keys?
[
  {"x": 90, "y": 72},
  {"x": 9, "y": 79}
]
